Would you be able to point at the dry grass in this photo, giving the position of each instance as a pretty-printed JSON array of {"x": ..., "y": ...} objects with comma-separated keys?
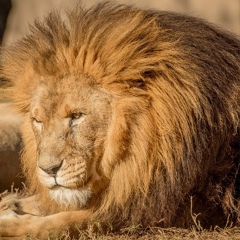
[
  {"x": 196, "y": 232},
  {"x": 165, "y": 234},
  {"x": 135, "y": 232}
]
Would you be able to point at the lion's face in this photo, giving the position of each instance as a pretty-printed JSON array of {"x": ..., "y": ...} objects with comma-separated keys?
[{"x": 69, "y": 122}]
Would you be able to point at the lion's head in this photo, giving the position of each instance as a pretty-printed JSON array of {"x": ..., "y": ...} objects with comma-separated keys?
[
  {"x": 127, "y": 115},
  {"x": 75, "y": 115}
]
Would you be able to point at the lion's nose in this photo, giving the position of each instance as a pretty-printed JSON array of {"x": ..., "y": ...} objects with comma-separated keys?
[{"x": 52, "y": 171}]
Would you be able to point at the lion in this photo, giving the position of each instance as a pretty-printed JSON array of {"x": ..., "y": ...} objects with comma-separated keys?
[
  {"x": 10, "y": 141},
  {"x": 131, "y": 116}
]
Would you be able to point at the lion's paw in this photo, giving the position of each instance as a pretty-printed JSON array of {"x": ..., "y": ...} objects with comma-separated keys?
[{"x": 10, "y": 204}]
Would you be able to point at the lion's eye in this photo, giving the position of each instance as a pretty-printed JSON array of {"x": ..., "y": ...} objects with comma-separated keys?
[
  {"x": 37, "y": 124},
  {"x": 76, "y": 115},
  {"x": 75, "y": 118}
]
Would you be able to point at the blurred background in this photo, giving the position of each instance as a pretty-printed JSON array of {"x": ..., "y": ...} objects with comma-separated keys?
[{"x": 225, "y": 13}]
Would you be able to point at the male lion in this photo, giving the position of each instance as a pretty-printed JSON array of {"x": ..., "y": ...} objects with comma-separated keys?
[{"x": 131, "y": 116}]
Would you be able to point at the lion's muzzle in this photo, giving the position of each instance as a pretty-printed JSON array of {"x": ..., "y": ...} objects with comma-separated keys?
[
  {"x": 69, "y": 173},
  {"x": 52, "y": 170}
]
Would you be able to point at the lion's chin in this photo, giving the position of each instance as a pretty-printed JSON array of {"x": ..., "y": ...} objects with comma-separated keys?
[{"x": 70, "y": 197}]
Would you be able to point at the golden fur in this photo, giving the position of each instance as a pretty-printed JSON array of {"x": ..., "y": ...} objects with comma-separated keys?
[{"x": 137, "y": 110}]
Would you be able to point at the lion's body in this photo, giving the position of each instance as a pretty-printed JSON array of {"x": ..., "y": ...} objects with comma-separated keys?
[{"x": 128, "y": 113}]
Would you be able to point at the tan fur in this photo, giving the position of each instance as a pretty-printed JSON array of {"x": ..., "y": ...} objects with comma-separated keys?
[{"x": 140, "y": 108}]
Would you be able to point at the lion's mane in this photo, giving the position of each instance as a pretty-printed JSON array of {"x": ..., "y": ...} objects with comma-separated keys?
[{"x": 174, "y": 131}]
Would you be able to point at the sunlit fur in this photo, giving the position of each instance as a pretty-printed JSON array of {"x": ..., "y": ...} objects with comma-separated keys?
[{"x": 174, "y": 82}]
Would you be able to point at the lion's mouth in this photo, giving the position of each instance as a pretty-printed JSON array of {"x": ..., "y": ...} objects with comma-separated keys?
[
  {"x": 57, "y": 186},
  {"x": 69, "y": 186}
]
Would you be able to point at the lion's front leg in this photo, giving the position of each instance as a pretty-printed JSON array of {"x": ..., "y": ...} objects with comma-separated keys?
[
  {"x": 16, "y": 219},
  {"x": 19, "y": 205},
  {"x": 14, "y": 225},
  {"x": 14, "y": 213}
]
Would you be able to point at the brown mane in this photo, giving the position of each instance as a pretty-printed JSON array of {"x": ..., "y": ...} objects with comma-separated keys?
[{"x": 178, "y": 82}]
